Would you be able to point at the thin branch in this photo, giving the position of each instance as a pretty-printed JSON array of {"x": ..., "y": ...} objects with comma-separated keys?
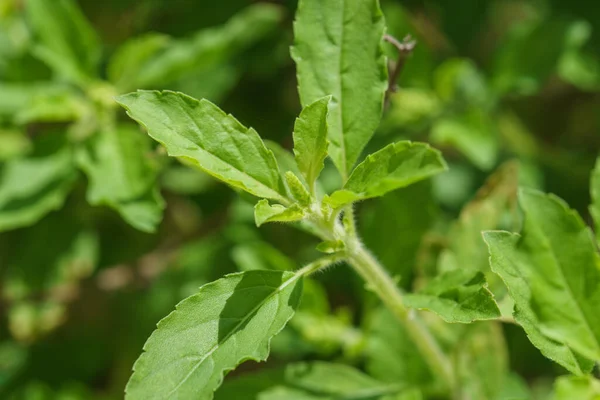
[{"x": 405, "y": 49}]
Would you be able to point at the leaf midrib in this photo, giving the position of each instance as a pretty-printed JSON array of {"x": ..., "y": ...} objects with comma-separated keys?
[{"x": 234, "y": 329}]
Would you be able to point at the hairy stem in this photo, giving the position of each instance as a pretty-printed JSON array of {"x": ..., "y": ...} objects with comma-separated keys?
[{"x": 387, "y": 290}]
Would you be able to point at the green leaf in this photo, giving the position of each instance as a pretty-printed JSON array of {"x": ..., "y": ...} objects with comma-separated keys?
[
  {"x": 578, "y": 66},
  {"x": 208, "y": 48},
  {"x": 552, "y": 273},
  {"x": 456, "y": 296},
  {"x": 123, "y": 176},
  {"x": 390, "y": 353},
  {"x": 310, "y": 139},
  {"x": 265, "y": 212},
  {"x": 202, "y": 134},
  {"x": 393, "y": 167},
  {"x": 68, "y": 43},
  {"x": 259, "y": 255},
  {"x": 131, "y": 57},
  {"x": 481, "y": 358},
  {"x": 33, "y": 186},
  {"x": 595, "y": 194},
  {"x": 576, "y": 387},
  {"x": 229, "y": 321},
  {"x": 338, "y": 52},
  {"x": 324, "y": 380},
  {"x": 471, "y": 133},
  {"x": 331, "y": 246},
  {"x": 297, "y": 188}
]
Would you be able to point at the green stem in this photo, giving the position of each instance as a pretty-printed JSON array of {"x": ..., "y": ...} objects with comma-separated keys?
[{"x": 387, "y": 290}]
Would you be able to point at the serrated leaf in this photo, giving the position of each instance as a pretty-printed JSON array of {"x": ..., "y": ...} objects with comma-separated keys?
[
  {"x": 552, "y": 274},
  {"x": 310, "y": 139},
  {"x": 265, "y": 212},
  {"x": 456, "y": 296},
  {"x": 395, "y": 166},
  {"x": 338, "y": 52},
  {"x": 68, "y": 43},
  {"x": 229, "y": 321},
  {"x": 595, "y": 194},
  {"x": 208, "y": 48},
  {"x": 576, "y": 387},
  {"x": 122, "y": 175},
  {"x": 202, "y": 134},
  {"x": 33, "y": 186}
]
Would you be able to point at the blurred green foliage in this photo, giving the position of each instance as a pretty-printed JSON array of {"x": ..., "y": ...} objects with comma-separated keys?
[{"x": 101, "y": 234}]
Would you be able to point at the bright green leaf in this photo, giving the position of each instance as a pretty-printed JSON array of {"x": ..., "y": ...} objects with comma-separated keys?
[
  {"x": 202, "y": 134},
  {"x": 33, "y": 186},
  {"x": 229, "y": 321},
  {"x": 393, "y": 167},
  {"x": 456, "y": 296},
  {"x": 265, "y": 212},
  {"x": 297, "y": 188},
  {"x": 310, "y": 139},
  {"x": 552, "y": 273},
  {"x": 331, "y": 246},
  {"x": 338, "y": 52},
  {"x": 68, "y": 43}
]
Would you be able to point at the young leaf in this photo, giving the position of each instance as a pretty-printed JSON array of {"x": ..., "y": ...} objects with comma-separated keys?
[
  {"x": 552, "y": 274},
  {"x": 393, "y": 167},
  {"x": 310, "y": 139},
  {"x": 595, "y": 192},
  {"x": 456, "y": 296},
  {"x": 68, "y": 43},
  {"x": 201, "y": 133},
  {"x": 227, "y": 322},
  {"x": 31, "y": 187},
  {"x": 338, "y": 52},
  {"x": 264, "y": 212},
  {"x": 122, "y": 176},
  {"x": 297, "y": 188}
]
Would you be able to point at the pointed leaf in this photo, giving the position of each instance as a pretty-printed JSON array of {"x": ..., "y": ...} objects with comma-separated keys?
[
  {"x": 456, "y": 296},
  {"x": 338, "y": 52},
  {"x": 68, "y": 43},
  {"x": 229, "y": 321},
  {"x": 265, "y": 212},
  {"x": 393, "y": 167},
  {"x": 122, "y": 176},
  {"x": 202, "y": 134},
  {"x": 552, "y": 274},
  {"x": 310, "y": 139}
]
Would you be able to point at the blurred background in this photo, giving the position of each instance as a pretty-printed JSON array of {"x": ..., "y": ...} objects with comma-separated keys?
[{"x": 101, "y": 234}]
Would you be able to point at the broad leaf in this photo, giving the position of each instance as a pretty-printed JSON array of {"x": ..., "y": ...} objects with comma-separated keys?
[
  {"x": 552, "y": 274},
  {"x": 229, "y": 321},
  {"x": 265, "y": 212},
  {"x": 123, "y": 176},
  {"x": 310, "y": 139},
  {"x": 577, "y": 387},
  {"x": 393, "y": 167},
  {"x": 456, "y": 296},
  {"x": 595, "y": 193},
  {"x": 33, "y": 186},
  {"x": 338, "y": 52},
  {"x": 68, "y": 43},
  {"x": 202, "y": 134}
]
